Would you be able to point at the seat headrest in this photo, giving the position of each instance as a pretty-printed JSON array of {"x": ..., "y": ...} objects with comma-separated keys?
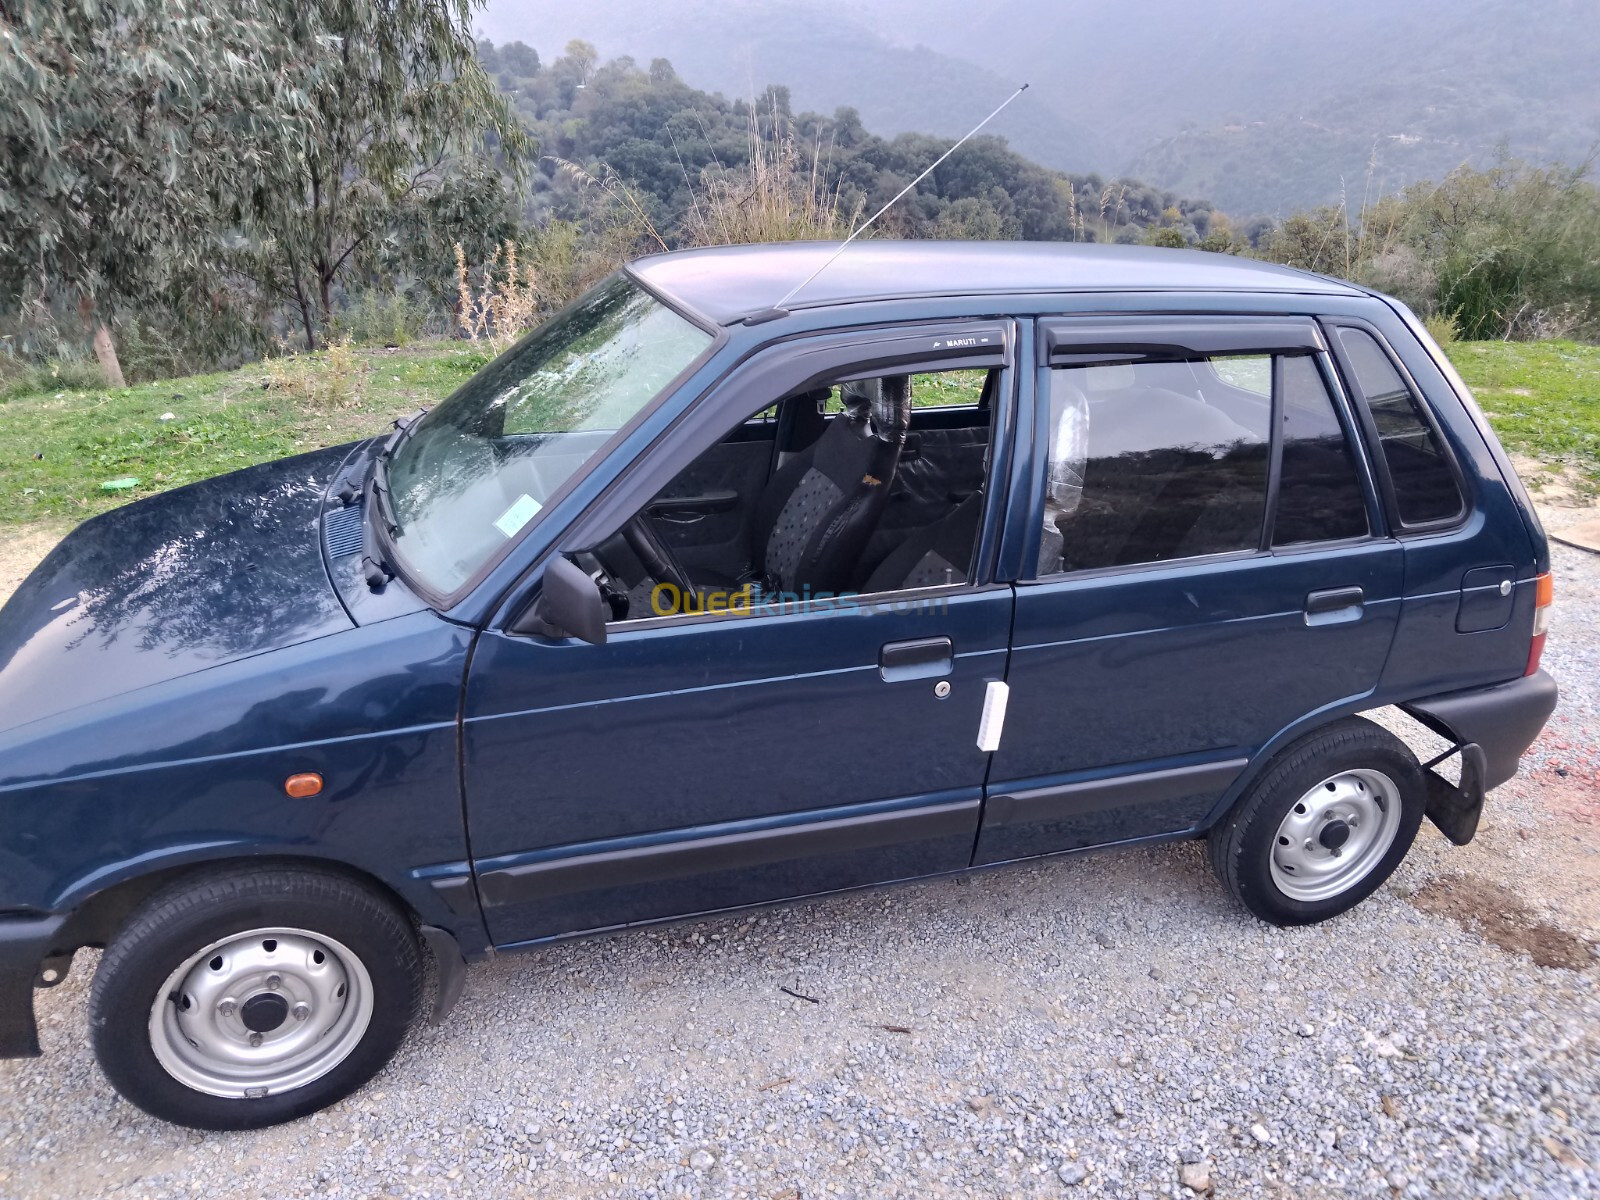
[
  {"x": 816, "y": 398},
  {"x": 859, "y": 396},
  {"x": 1108, "y": 377},
  {"x": 891, "y": 409},
  {"x": 1069, "y": 445}
]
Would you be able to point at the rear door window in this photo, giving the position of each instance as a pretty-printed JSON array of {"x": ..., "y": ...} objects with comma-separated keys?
[
  {"x": 1158, "y": 460},
  {"x": 1152, "y": 461},
  {"x": 1420, "y": 471}
]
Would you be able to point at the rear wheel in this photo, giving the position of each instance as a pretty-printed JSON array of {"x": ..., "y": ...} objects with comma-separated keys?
[
  {"x": 238, "y": 999},
  {"x": 1323, "y": 827}
]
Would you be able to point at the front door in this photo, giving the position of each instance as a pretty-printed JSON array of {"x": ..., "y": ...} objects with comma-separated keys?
[
  {"x": 699, "y": 762},
  {"x": 1211, "y": 567}
]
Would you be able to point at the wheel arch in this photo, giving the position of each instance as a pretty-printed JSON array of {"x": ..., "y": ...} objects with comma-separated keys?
[
  {"x": 97, "y": 917},
  {"x": 1313, "y": 722}
]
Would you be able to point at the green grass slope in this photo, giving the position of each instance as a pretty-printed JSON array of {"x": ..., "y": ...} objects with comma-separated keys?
[{"x": 58, "y": 447}]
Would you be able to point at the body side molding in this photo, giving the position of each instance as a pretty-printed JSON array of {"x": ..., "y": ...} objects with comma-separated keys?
[
  {"x": 1025, "y": 806},
  {"x": 522, "y": 882}
]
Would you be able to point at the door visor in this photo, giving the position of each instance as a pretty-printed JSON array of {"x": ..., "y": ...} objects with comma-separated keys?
[{"x": 1080, "y": 340}]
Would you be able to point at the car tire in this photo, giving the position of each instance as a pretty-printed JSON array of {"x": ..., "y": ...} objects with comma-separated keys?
[
  {"x": 245, "y": 997},
  {"x": 1324, "y": 825}
]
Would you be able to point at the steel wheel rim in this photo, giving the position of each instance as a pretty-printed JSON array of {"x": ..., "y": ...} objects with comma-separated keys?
[
  {"x": 1335, "y": 835},
  {"x": 260, "y": 1013}
]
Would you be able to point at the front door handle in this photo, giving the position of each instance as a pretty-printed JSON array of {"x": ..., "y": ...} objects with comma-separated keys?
[
  {"x": 920, "y": 658},
  {"x": 1335, "y": 606}
]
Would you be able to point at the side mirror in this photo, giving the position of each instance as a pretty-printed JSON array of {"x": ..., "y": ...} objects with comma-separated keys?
[{"x": 569, "y": 605}]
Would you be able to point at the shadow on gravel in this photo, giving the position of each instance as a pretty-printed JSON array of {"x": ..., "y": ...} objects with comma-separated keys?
[{"x": 1501, "y": 917}]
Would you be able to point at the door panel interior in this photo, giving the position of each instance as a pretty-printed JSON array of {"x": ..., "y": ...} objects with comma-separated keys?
[{"x": 715, "y": 536}]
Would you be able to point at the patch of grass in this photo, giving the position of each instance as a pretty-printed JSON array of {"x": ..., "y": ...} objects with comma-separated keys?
[
  {"x": 1543, "y": 398},
  {"x": 945, "y": 388},
  {"x": 20, "y": 379},
  {"x": 61, "y": 437},
  {"x": 59, "y": 444},
  {"x": 938, "y": 389}
]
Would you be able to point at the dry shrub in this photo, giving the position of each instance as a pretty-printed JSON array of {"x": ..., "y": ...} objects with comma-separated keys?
[
  {"x": 1444, "y": 329},
  {"x": 503, "y": 304},
  {"x": 782, "y": 195},
  {"x": 334, "y": 378}
]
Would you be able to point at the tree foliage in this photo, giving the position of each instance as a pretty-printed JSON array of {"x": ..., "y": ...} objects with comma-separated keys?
[
  {"x": 207, "y": 179},
  {"x": 127, "y": 135},
  {"x": 399, "y": 111},
  {"x": 1513, "y": 251},
  {"x": 221, "y": 158},
  {"x": 675, "y": 146}
]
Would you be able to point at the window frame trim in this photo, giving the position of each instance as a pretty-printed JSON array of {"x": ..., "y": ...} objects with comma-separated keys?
[
  {"x": 1372, "y": 440},
  {"x": 1171, "y": 337},
  {"x": 1275, "y": 335},
  {"x": 1366, "y": 477},
  {"x": 871, "y": 350}
]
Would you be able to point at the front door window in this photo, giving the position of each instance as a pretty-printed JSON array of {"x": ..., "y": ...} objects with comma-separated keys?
[{"x": 848, "y": 490}]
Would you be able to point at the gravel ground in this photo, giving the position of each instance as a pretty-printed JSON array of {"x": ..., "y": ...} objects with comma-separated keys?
[{"x": 1100, "y": 1025}]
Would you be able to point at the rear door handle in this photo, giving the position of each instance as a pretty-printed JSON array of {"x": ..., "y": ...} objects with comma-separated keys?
[
  {"x": 1335, "y": 606},
  {"x": 920, "y": 658}
]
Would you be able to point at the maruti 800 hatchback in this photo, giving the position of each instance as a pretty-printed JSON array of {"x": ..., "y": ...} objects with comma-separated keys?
[{"x": 973, "y": 554}]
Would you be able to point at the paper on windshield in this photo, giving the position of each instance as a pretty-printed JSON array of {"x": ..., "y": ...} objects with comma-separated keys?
[{"x": 519, "y": 514}]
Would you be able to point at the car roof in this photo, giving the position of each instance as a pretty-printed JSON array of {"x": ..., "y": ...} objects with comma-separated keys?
[{"x": 729, "y": 283}]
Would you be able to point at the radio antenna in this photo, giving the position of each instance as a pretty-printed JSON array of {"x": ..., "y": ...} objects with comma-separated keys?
[{"x": 778, "y": 310}]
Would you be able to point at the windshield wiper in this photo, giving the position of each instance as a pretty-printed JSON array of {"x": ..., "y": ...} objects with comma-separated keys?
[
  {"x": 403, "y": 427},
  {"x": 375, "y": 568}
]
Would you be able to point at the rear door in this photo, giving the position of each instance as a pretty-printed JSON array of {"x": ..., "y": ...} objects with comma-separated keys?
[{"x": 1207, "y": 563}]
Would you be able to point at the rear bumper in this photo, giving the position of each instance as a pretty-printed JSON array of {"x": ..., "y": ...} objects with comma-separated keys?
[
  {"x": 25, "y": 942},
  {"x": 1503, "y": 720}
]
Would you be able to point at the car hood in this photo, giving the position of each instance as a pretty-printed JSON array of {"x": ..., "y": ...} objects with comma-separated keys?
[{"x": 170, "y": 585}]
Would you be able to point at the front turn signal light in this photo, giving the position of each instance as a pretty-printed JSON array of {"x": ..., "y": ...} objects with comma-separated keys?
[
  {"x": 304, "y": 785},
  {"x": 1543, "y": 596}
]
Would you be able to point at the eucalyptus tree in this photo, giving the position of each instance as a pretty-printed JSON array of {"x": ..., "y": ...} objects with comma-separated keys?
[
  {"x": 261, "y": 147},
  {"x": 128, "y": 132},
  {"x": 397, "y": 111}
]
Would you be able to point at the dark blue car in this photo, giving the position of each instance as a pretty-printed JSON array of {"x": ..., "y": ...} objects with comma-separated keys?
[{"x": 970, "y": 554}]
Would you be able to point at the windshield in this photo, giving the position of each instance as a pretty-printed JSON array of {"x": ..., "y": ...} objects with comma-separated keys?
[{"x": 476, "y": 469}]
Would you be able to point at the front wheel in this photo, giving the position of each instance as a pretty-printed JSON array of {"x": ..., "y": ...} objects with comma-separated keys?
[
  {"x": 1324, "y": 826},
  {"x": 243, "y": 998}
]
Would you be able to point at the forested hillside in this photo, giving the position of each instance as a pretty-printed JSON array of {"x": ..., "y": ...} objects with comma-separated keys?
[
  {"x": 1259, "y": 108},
  {"x": 666, "y": 140}
]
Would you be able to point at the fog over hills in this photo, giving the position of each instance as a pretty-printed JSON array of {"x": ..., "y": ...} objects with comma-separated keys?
[{"x": 1258, "y": 107}]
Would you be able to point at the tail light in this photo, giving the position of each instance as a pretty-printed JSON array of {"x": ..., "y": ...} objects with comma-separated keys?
[{"x": 1544, "y": 593}]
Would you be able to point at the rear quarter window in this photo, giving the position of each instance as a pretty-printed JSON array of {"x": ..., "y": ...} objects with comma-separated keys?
[{"x": 1420, "y": 472}]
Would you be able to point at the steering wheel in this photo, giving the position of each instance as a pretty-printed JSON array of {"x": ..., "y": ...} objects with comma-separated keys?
[{"x": 658, "y": 558}]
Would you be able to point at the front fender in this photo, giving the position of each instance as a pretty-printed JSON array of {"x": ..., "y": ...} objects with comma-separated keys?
[{"x": 194, "y": 771}]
